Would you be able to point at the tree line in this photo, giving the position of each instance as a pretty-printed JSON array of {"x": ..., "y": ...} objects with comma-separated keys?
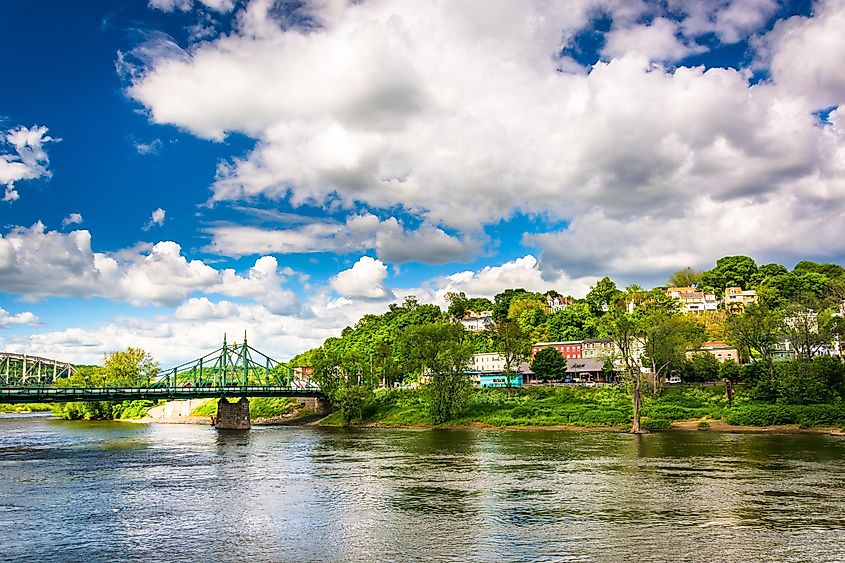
[{"x": 648, "y": 329}]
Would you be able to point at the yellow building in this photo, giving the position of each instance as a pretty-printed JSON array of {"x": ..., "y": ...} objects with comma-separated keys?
[{"x": 737, "y": 299}]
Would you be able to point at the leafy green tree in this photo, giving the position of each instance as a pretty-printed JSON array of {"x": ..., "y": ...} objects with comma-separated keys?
[
  {"x": 526, "y": 302},
  {"x": 548, "y": 364},
  {"x": 755, "y": 332},
  {"x": 730, "y": 271},
  {"x": 502, "y": 302},
  {"x": 685, "y": 277},
  {"x": 667, "y": 334},
  {"x": 514, "y": 346},
  {"x": 730, "y": 370},
  {"x": 626, "y": 330},
  {"x": 354, "y": 402},
  {"x": 700, "y": 367},
  {"x": 576, "y": 322},
  {"x": 602, "y": 295},
  {"x": 443, "y": 350},
  {"x": 806, "y": 383},
  {"x": 460, "y": 304},
  {"x": 132, "y": 367}
]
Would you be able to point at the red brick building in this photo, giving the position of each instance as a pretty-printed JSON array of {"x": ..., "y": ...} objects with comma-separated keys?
[{"x": 571, "y": 349}]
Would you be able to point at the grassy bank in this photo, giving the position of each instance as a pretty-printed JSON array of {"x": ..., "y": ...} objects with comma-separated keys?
[
  {"x": 259, "y": 407},
  {"x": 594, "y": 407},
  {"x": 25, "y": 407}
]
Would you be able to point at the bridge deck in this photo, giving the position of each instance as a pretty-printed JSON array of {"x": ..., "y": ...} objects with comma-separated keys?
[{"x": 72, "y": 394}]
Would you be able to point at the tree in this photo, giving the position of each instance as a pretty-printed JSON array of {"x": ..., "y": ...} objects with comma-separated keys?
[
  {"x": 755, "y": 332},
  {"x": 502, "y": 302},
  {"x": 458, "y": 304},
  {"x": 602, "y": 295},
  {"x": 526, "y": 302},
  {"x": 443, "y": 350},
  {"x": 626, "y": 331},
  {"x": 806, "y": 330},
  {"x": 700, "y": 367},
  {"x": 667, "y": 337},
  {"x": 132, "y": 367},
  {"x": 514, "y": 346},
  {"x": 686, "y": 277},
  {"x": 548, "y": 364},
  {"x": 576, "y": 322},
  {"x": 730, "y": 271}
]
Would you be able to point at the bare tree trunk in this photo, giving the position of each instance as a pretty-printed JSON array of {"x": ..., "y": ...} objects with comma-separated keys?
[
  {"x": 637, "y": 402},
  {"x": 654, "y": 376}
]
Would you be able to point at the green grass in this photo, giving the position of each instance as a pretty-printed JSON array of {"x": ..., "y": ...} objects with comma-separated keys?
[{"x": 595, "y": 407}]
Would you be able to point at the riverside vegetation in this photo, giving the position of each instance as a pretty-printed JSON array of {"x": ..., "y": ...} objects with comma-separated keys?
[
  {"x": 413, "y": 342},
  {"x": 420, "y": 343}
]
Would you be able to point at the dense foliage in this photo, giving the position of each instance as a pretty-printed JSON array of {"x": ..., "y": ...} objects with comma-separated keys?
[{"x": 132, "y": 367}]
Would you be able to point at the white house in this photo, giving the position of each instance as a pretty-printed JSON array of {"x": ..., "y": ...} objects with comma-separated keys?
[
  {"x": 476, "y": 322},
  {"x": 489, "y": 362}
]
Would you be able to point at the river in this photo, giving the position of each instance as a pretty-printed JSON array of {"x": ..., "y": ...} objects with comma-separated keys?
[{"x": 77, "y": 491}]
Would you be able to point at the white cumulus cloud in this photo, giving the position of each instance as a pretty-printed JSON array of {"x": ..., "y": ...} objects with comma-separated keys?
[
  {"x": 24, "y": 318},
  {"x": 72, "y": 219},
  {"x": 156, "y": 219},
  {"x": 29, "y": 160},
  {"x": 465, "y": 116},
  {"x": 364, "y": 279}
]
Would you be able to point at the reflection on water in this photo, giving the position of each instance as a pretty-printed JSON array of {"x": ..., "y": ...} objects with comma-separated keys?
[{"x": 101, "y": 491}]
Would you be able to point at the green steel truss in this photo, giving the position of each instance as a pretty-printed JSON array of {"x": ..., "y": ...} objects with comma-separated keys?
[
  {"x": 233, "y": 370},
  {"x": 231, "y": 365}
]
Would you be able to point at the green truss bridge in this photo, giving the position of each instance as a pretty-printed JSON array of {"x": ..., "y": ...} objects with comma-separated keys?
[{"x": 231, "y": 371}]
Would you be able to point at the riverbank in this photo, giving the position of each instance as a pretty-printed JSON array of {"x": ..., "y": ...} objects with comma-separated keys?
[{"x": 601, "y": 409}]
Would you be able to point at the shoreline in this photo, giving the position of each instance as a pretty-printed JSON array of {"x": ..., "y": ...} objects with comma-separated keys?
[{"x": 314, "y": 420}]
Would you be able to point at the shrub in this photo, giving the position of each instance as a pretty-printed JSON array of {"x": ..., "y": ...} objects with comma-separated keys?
[
  {"x": 761, "y": 415},
  {"x": 703, "y": 425},
  {"x": 656, "y": 424}
]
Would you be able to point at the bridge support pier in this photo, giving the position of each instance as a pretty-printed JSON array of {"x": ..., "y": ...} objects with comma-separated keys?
[
  {"x": 318, "y": 405},
  {"x": 232, "y": 416}
]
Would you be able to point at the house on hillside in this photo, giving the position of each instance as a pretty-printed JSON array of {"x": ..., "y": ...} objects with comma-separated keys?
[
  {"x": 557, "y": 302},
  {"x": 477, "y": 322},
  {"x": 692, "y": 300},
  {"x": 736, "y": 299}
]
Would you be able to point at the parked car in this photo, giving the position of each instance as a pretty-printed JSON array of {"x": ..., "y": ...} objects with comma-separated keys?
[{"x": 674, "y": 380}]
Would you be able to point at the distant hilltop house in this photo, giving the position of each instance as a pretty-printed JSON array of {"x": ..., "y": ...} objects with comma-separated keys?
[
  {"x": 692, "y": 300},
  {"x": 718, "y": 350},
  {"x": 557, "y": 302},
  {"x": 737, "y": 299},
  {"x": 477, "y": 322}
]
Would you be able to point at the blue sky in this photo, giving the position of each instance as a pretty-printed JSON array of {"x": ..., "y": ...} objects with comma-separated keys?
[{"x": 543, "y": 145}]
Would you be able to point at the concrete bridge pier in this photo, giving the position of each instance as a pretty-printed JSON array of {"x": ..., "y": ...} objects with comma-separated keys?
[
  {"x": 232, "y": 416},
  {"x": 319, "y": 405}
]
